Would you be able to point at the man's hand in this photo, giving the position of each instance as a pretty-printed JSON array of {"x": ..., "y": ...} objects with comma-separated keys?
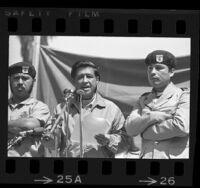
[
  {"x": 158, "y": 116},
  {"x": 103, "y": 139},
  {"x": 48, "y": 140}
]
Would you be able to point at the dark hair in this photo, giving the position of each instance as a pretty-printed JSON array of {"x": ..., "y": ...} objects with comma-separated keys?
[{"x": 84, "y": 63}]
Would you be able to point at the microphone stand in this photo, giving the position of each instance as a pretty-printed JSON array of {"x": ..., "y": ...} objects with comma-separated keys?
[
  {"x": 17, "y": 140},
  {"x": 56, "y": 131},
  {"x": 57, "y": 122},
  {"x": 81, "y": 127},
  {"x": 66, "y": 140}
]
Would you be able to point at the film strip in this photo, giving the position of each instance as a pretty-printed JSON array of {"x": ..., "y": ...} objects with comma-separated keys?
[{"x": 113, "y": 23}]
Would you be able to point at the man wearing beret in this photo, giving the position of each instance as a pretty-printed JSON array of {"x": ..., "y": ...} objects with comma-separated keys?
[
  {"x": 25, "y": 113},
  {"x": 161, "y": 116}
]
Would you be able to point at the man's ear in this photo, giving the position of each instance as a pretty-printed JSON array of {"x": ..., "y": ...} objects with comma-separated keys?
[
  {"x": 172, "y": 71},
  {"x": 98, "y": 79}
]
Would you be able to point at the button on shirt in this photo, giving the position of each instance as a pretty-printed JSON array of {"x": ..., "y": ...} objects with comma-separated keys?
[
  {"x": 98, "y": 108},
  {"x": 29, "y": 108}
]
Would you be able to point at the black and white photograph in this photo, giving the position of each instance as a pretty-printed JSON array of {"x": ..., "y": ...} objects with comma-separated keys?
[{"x": 99, "y": 97}]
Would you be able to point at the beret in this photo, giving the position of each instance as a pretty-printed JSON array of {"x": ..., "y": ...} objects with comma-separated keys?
[
  {"x": 22, "y": 67},
  {"x": 162, "y": 57}
]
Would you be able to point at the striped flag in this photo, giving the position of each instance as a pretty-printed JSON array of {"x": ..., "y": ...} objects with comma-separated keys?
[{"x": 122, "y": 80}]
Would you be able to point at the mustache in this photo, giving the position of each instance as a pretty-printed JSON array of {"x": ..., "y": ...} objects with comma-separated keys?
[
  {"x": 20, "y": 86},
  {"x": 29, "y": 91},
  {"x": 154, "y": 77}
]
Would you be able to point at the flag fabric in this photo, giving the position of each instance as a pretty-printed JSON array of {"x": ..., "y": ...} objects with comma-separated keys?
[{"x": 122, "y": 80}]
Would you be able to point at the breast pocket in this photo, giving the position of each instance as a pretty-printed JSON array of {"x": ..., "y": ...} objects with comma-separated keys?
[{"x": 169, "y": 107}]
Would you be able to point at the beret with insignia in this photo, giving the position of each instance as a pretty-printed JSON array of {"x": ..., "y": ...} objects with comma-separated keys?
[
  {"x": 162, "y": 57},
  {"x": 22, "y": 67}
]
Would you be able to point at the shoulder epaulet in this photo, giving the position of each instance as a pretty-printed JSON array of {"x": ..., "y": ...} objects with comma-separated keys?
[
  {"x": 145, "y": 94},
  {"x": 185, "y": 89}
]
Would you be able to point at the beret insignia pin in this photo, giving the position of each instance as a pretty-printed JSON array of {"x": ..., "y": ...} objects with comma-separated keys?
[
  {"x": 159, "y": 58},
  {"x": 25, "y": 69}
]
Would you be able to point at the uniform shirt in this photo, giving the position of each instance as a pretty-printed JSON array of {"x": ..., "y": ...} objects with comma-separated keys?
[
  {"x": 98, "y": 108},
  {"x": 170, "y": 138},
  {"x": 29, "y": 108}
]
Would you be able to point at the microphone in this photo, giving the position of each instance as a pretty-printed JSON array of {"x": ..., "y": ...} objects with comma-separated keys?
[
  {"x": 68, "y": 94},
  {"x": 80, "y": 92},
  {"x": 67, "y": 91},
  {"x": 35, "y": 131}
]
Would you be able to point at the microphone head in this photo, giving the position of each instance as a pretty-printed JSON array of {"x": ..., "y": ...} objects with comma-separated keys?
[
  {"x": 68, "y": 93},
  {"x": 80, "y": 92}
]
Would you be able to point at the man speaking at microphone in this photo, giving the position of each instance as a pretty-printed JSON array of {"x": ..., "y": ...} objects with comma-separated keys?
[
  {"x": 25, "y": 113},
  {"x": 94, "y": 110}
]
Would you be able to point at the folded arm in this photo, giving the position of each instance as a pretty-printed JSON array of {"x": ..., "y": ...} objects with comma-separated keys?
[
  {"x": 177, "y": 126},
  {"x": 140, "y": 119},
  {"x": 37, "y": 118}
]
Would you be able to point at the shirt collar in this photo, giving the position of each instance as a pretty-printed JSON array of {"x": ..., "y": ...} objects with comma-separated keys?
[
  {"x": 167, "y": 92},
  {"x": 91, "y": 102},
  {"x": 98, "y": 101},
  {"x": 29, "y": 100}
]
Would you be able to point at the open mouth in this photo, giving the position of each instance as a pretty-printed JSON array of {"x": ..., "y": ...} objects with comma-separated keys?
[
  {"x": 20, "y": 89},
  {"x": 85, "y": 88},
  {"x": 154, "y": 79}
]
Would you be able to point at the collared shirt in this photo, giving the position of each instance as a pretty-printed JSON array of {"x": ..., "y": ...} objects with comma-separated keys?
[
  {"x": 29, "y": 108},
  {"x": 169, "y": 138},
  {"x": 98, "y": 108}
]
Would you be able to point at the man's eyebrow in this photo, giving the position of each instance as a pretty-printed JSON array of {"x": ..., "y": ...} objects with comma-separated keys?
[
  {"x": 25, "y": 76},
  {"x": 159, "y": 65},
  {"x": 85, "y": 74}
]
